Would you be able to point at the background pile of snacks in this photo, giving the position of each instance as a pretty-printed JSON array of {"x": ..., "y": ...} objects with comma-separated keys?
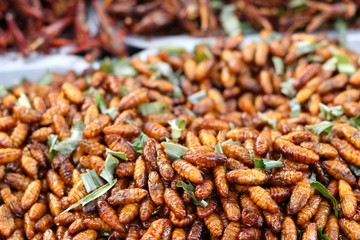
[
  {"x": 228, "y": 142},
  {"x": 93, "y": 27}
]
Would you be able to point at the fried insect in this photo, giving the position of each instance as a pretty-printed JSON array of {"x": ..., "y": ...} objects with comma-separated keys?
[
  {"x": 299, "y": 197},
  {"x": 31, "y": 194},
  {"x": 61, "y": 127},
  {"x": 294, "y": 152},
  {"x": 147, "y": 206},
  {"x": 156, "y": 229},
  {"x": 8, "y": 155},
  {"x": 129, "y": 212},
  {"x": 232, "y": 231},
  {"x": 175, "y": 203},
  {"x": 350, "y": 227},
  {"x": 188, "y": 171},
  {"x": 251, "y": 215},
  {"x": 322, "y": 214},
  {"x": 88, "y": 234},
  {"x": 310, "y": 232},
  {"x": 204, "y": 159},
  {"x": 36, "y": 211},
  {"x": 133, "y": 99},
  {"x": 73, "y": 93},
  {"x": 109, "y": 216},
  {"x": 125, "y": 196},
  {"x": 11, "y": 201},
  {"x": 156, "y": 188},
  {"x": 19, "y": 134},
  {"x": 263, "y": 142},
  {"x": 91, "y": 147},
  {"x": 231, "y": 206},
  {"x": 124, "y": 130},
  {"x": 95, "y": 127},
  {"x": 7, "y": 226},
  {"x": 339, "y": 171},
  {"x": 288, "y": 228},
  {"x": 178, "y": 234},
  {"x": 27, "y": 115},
  {"x": 348, "y": 200},
  {"x": 323, "y": 149},
  {"x": 247, "y": 177},
  {"x": 191, "y": 140},
  {"x": 239, "y": 153},
  {"x": 156, "y": 130},
  {"x": 55, "y": 183},
  {"x": 164, "y": 165},
  {"x": 220, "y": 181},
  {"x": 309, "y": 210},
  {"x": 214, "y": 224},
  {"x": 204, "y": 212},
  {"x": 241, "y": 134},
  {"x": 207, "y": 137},
  {"x": 346, "y": 151},
  {"x": 263, "y": 199},
  {"x": 250, "y": 233},
  {"x": 189, "y": 219},
  {"x": 44, "y": 223},
  {"x": 17, "y": 181},
  {"x": 205, "y": 189},
  {"x": 332, "y": 228}
]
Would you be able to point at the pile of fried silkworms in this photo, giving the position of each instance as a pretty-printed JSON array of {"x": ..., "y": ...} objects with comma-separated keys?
[{"x": 230, "y": 141}]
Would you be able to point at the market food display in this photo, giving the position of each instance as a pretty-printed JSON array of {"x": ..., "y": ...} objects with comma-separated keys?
[
  {"x": 232, "y": 141},
  {"x": 94, "y": 27}
]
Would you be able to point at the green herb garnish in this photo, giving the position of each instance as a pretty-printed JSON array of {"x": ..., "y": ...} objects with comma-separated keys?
[
  {"x": 322, "y": 127},
  {"x": 173, "y": 150},
  {"x": 120, "y": 155},
  {"x": 295, "y": 108},
  {"x": 24, "y": 101},
  {"x": 196, "y": 97},
  {"x": 331, "y": 113},
  {"x": 51, "y": 142},
  {"x": 138, "y": 144},
  {"x": 264, "y": 163},
  {"x": 270, "y": 121},
  {"x": 46, "y": 79},
  {"x": 100, "y": 103},
  {"x": 151, "y": 108},
  {"x": 322, "y": 189},
  {"x": 278, "y": 64},
  {"x": 355, "y": 121},
  {"x": 190, "y": 190},
  {"x": 229, "y": 21},
  {"x": 287, "y": 88},
  {"x": 109, "y": 166},
  {"x": 177, "y": 126},
  {"x": 91, "y": 180},
  {"x": 70, "y": 144}
]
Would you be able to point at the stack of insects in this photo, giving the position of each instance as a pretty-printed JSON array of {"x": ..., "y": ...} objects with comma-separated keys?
[{"x": 232, "y": 141}]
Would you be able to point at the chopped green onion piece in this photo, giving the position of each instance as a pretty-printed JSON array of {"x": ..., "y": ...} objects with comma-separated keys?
[
  {"x": 229, "y": 21},
  {"x": 118, "y": 66},
  {"x": 23, "y": 101},
  {"x": 100, "y": 103},
  {"x": 189, "y": 112},
  {"x": 138, "y": 144},
  {"x": 91, "y": 180},
  {"x": 287, "y": 88},
  {"x": 51, "y": 142},
  {"x": 163, "y": 69},
  {"x": 110, "y": 164},
  {"x": 92, "y": 196},
  {"x": 330, "y": 64},
  {"x": 264, "y": 163},
  {"x": 177, "y": 126},
  {"x": 120, "y": 155},
  {"x": 124, "y": 90},
  {"x": 196, "y": 97},
  {"x": 312, "y": 177},
  {"x": 295, "y": 108},
  {"x": 3, "y": 91},
  {"x": 190, "y": 190},
  {"x": 304, "y": 47},
  {"x": 230, "y": 141},
  {"x": 321, "y": 235},
  {"x": 232, "y": 125},
  {"x": 278, "y": 64},
  {"x": 202, "y": 52},
  {"x": 218, "y": 148},
  {"x": 331, "y": 113},
  {"x": 322, "y": 189},
  {"x": 315, "y": 58},
  {"x": 341, "y": 28},
  {"x": 270, "y": 121},
  {"x": 322, "y": 127},
  {"x": 174, "y": 151},
  {"x": 355, "y": 121},
  {"x": 46, "y": 79},
  {"x": 151, "y": 108},
  {"x": 70, "y": 144},
  {"x": 297, "y": 4}
]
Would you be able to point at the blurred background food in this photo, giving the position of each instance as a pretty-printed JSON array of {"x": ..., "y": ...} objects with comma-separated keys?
[{"x": 92, "y": 27}]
